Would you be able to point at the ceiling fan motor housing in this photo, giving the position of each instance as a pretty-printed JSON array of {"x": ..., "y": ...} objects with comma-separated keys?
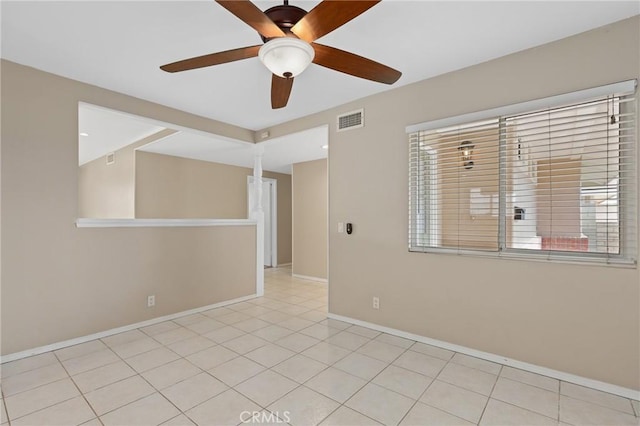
[{"x": 285, "y": 17}]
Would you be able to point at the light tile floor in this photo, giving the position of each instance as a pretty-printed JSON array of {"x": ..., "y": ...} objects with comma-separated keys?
[{"x": 278, "y": 359}]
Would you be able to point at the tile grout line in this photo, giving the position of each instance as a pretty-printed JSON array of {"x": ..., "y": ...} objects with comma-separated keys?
[
  {"x": 181, "y": 412},
  {"x": 529, "y": 410},
  {"x": 450, "y": 384},
  {"x": 354, "y": 351},
  {"x": 299, "y": 385},
  {"x": 29, "y": 371},
  {"x": 530, "y": 384},
  {"x": 493, "y": 388},
  {"x": 76, "y": 385},
  {"x": 4, "y": 404},
  {"x": 139, "y": 374},
  {"x": 9, "y": 420},
  {"x": 243, "y": 356},
  {"x": 407, "y": 349},
  {"x": 156, "y": 390},
  {"x": 276, "y": 372},
  {"x": 598, "y": 403},
  {"x": 422, "y": 393},
  {"x": 373, "y": 378}
]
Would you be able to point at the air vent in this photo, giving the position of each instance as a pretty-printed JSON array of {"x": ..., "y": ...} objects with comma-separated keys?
[
  {"x": 111, "y": 158},
  {"x": 351, "y": 120}
]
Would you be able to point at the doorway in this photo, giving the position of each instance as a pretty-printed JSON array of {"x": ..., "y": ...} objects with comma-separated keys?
[{"x": 269, "y": 206}]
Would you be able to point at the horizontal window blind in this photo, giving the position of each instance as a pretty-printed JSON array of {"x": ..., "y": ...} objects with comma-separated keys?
[
  {"x": 557, "y": 183},
  {"x": 566, "y": 177},
  {"x": 456, "y": 200}
]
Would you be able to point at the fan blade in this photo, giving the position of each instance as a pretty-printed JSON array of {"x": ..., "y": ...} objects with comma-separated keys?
[
  {"x": 327, "y": 16},
  {"x": 280, "y": 91},
  {"x": 212, "y": 59},
  {"x": 355, "y": 65},
  {"x": 252, "y": 16}
]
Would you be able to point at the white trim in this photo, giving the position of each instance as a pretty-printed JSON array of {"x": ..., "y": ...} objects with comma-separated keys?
[
  {"x": 274, "y": 222},
  {"x": 538, "y": 104},
  {"x": 560, "y": 375},
  {"x": 258, "y": 215},
  {"x": 309, "y": 278},
  {"x": 273, "y": 193},
  {"x": 72, "y": 342},
  {"x": 159, "y": 223}
]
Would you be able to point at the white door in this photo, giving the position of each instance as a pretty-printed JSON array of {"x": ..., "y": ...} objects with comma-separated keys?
[{"x": 270, "y": 217}]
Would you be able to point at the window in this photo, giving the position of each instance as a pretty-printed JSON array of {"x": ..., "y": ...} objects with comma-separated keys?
[{"x": 556, "y": 182}]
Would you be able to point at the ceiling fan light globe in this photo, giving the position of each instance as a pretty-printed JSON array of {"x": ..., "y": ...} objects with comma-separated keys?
[{"x": 286, "y": 56}]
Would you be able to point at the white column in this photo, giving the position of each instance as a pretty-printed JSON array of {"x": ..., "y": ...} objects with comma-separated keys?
[{"x": 257, "y": 214}]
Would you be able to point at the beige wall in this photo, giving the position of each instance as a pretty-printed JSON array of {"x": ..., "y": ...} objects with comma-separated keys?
[
  {"x": 108, "y": 190},
  {"x": 60, "y": 282},
  {"x": 285, "y": 216},
  {"x": 175, "y": 187},
  {"x": 580, "y": 319},
  {"x": 310, "y": 197}
]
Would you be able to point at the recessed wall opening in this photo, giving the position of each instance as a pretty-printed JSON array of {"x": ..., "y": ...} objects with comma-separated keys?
[{"x": 133, "y": 167}]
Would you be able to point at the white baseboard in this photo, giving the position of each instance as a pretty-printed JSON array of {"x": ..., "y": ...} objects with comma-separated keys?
[
  {"x": 280, "y": 265},
  {"x": 560, "y": 375},
  {"x": 308, "y": 278},
  {"x": 84, "y": 339}
]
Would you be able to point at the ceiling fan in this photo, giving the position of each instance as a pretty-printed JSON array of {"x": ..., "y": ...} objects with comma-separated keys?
[{"x": 289, "y": 33}]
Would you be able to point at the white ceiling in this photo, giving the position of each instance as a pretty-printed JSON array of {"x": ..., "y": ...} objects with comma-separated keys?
[
  {"x": 278, "y": 156},
  {"x": 119, "y": 45},
  {"x": 111, "y": 130},
  {"x": 102, "y": 131}
]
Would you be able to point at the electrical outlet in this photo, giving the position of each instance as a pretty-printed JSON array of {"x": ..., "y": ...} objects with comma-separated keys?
[
  {"x": 376, "y": 302},
  {"x": 151, "y": 301}
]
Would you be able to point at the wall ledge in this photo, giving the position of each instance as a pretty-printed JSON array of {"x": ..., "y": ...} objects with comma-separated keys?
[{"x": 159, "y": 223}]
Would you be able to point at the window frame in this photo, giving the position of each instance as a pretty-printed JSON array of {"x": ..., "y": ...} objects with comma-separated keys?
[{"x": 627, "y": 204}]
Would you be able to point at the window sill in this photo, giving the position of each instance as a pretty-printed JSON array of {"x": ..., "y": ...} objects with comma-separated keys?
[{"x": 544, "y": 256}]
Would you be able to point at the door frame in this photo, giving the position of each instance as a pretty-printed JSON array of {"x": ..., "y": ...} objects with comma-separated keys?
[{"x": 273, "y": 212}]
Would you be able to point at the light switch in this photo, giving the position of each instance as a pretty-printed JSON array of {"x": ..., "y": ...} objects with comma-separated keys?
[{"x": 340, "y": 227}]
